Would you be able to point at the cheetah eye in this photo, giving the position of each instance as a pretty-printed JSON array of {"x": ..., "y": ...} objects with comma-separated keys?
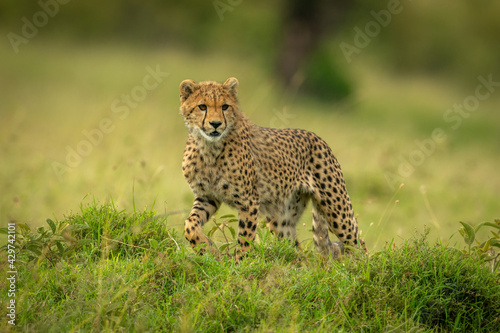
[
  {"x": 202, "y": 107},
  {"x": 225, "y": 107}
]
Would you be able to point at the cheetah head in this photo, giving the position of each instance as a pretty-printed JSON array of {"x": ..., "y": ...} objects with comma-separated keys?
[{"x": 209, "y": 108}]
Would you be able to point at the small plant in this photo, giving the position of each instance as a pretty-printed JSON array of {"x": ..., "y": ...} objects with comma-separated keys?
[
  {"x": 228, "y": 222},
  {"x": 54, "y": 243},
  {"x": 230, "y": 241},
  {"x": 486, "y": 250},
  {"x": 225, "y": 230}
]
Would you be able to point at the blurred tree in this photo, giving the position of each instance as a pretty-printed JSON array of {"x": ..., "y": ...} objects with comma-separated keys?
[
  {"x": 306, "y": 24},
  {"x": 463, "y": 45}
]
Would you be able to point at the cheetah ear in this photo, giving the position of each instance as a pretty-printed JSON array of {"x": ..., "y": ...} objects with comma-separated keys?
[
  {"x": 232, "y": 85},
  {"x": 186, "y": 89}
]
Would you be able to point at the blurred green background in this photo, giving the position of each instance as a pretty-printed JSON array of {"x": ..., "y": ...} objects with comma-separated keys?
[{"x": 403, "y": 91}]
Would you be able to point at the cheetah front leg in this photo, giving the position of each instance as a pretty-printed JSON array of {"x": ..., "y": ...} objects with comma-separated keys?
[
  {"x": 247, "y": 215},
  {"x": 202, "y": 209}
]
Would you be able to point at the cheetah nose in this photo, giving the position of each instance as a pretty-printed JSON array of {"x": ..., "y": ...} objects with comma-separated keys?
[{"x": 215, "y": 124}]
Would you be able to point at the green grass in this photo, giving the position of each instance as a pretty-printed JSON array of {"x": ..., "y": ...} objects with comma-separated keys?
[{"x": 134, "y": 273}]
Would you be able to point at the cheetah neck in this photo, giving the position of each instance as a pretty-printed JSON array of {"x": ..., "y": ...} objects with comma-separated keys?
[{"x": 210, "y": 150}]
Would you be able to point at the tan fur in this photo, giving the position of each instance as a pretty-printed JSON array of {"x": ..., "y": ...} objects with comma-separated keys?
[{"x": 257, "y": 170}]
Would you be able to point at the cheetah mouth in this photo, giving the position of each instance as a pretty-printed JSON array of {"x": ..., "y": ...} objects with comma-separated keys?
[{"x": 213, "y": 134}]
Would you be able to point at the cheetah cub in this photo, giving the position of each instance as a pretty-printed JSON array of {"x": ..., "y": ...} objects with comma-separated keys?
[{"x": 258, "y": 170}]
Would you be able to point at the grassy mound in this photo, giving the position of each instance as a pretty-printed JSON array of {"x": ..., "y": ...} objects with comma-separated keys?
[{"x": 106, "y": 270}]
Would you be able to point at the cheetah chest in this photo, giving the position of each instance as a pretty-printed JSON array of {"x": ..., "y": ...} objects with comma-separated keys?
[{"x": 220, "y": 178}]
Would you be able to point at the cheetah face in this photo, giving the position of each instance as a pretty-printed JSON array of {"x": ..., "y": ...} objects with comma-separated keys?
[{"x": 209, "y": 107}]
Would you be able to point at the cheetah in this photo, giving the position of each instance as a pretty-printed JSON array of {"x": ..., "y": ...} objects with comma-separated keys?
[{"x": 258, "y": 170}]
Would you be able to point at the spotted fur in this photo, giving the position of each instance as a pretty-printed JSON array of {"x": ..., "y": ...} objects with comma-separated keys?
[{"x": 258, "y": 170}]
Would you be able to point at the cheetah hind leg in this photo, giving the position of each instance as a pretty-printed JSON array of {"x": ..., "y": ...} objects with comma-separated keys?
[
  {"x": 322, "y": 241},
  {"x": 283, "y": 229},
  {"x": 286, "y": 224}
]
